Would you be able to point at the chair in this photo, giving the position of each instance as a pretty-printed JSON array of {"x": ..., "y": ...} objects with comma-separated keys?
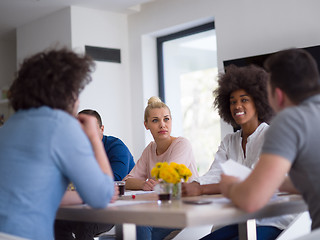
[
  {"x": 314, "y": 235},
  {"x": 300, "y": 226}
]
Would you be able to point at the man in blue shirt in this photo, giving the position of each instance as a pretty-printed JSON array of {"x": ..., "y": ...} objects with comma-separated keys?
[
  {"x": 120, "y": 158},
  {"x": 121, "y": 161}
]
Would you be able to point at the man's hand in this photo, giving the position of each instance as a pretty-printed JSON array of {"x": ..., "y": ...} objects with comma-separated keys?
[
  {"x": 226, "y": 184},
  {"x": 191, "y": 189}
]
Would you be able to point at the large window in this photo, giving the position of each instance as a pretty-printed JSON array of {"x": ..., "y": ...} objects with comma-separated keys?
[{"x": 187, "y": 63}]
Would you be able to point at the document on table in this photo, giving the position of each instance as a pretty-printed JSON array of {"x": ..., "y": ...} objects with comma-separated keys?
[
  {"x": 130, "y": 192},
  {"x": 125, "y": 202},
  {"x": 235, "y": 169}
]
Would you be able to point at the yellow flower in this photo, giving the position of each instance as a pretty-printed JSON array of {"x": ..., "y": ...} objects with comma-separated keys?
[{"x": 171, "y": 173}]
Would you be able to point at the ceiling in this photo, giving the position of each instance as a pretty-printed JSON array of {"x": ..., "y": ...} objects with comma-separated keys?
[{"x": 16, "y": 13}]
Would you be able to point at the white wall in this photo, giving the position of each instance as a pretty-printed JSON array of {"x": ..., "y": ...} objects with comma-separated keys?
[
  {"x": 109, "y": 92},
  {"x": 7, "y": 62},
  {"x": 155, "y": 19},
  {"x": 254, "y": 27},
  {"x": 51, "y": 31},
  {"x": 243, "y": 27},
  {"x": 75, "y": 27},
  {"x": 7, "y": 70}
]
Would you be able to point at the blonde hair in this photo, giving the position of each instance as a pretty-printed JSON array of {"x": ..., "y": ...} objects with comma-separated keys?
[{"x": 154, "y": 102}]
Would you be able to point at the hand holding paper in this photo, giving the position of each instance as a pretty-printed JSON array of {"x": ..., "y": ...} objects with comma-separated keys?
[
  {"x": 235, "y": 169},
  {"x": 234, "y": 172}
]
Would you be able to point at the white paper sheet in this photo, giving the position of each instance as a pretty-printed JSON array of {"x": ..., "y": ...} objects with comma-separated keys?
[
  {"x": 126, "y": 202},
  {"x": 117, "y": 203},
  {"x": 235, "y": 169},
  {"x": 130, "y": 193},
  {"x": 232, "y": 168},
  {"x": 221, "y": 200}
]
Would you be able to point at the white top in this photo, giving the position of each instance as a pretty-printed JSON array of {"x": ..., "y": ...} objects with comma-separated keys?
[{"x": 231, "y": 148}]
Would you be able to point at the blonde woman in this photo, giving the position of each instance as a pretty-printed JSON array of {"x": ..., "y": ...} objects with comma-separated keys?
[{"x": 164, "y": 148}]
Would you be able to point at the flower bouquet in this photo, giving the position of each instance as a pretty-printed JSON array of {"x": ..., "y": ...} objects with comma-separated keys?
[{"x": 170, "y": 176}]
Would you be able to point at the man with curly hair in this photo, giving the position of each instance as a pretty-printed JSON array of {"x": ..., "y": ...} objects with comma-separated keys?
[
  {"x": 242, "y": 101},
  {"x": 44, "y": 146}
]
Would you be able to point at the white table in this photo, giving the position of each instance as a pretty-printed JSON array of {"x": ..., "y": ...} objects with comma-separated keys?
[{"x": 180, "y": 215}]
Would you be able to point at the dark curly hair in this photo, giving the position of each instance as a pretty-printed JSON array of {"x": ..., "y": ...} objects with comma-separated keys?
[
  {"x": 52, "y": 78},
  {"x": 253, "y": 80}
]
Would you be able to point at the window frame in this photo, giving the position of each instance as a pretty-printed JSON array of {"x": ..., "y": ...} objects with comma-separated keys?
[{"x": 169, "y": 37}]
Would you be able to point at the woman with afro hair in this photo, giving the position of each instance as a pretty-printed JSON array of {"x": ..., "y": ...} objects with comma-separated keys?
[{"x": 242, "y": 101}]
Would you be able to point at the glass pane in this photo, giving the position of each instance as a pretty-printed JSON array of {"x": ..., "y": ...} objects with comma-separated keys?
[{"x": 190, "y": 72}]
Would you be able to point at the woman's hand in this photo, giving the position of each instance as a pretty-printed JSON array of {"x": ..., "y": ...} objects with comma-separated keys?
[
  {"x": 226, "y": 184},
  {"x": 148, "y": 184}
]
